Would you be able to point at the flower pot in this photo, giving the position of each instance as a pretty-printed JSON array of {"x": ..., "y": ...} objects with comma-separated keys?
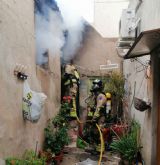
[
  {"x": 48, "y": 155},
  {"x": 58, "y": 158},
  {"x": 125, "y": 162}
]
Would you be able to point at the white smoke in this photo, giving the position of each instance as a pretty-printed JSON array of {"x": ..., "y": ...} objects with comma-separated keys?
[
  {"x": 49, "y": 35},
  {"x": 74, "y": 24},
  {"x": 50, "y": 27}
]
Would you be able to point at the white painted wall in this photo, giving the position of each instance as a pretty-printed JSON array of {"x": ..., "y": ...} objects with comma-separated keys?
[
  {"x": 149, "y": 12},
  {"x": 136, "y": 76}
]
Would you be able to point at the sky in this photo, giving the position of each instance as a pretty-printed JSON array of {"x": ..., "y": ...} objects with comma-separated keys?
[
  {"x": 84, "y": 8},
  {"x": 87, "y": 10},
  {"x": 103, "y": 15}
]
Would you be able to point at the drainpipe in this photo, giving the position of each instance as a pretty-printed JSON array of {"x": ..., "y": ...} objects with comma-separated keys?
[{"x": 138, "y": 5}]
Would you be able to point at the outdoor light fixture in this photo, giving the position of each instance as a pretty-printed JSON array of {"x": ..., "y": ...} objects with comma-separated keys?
[{"x": 19, "y": 71}]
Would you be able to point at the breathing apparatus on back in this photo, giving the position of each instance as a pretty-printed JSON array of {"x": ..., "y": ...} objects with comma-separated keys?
[{"x": 108, "y": 103}]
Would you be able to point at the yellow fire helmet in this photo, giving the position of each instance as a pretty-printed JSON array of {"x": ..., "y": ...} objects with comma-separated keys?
[{"x": 108, "y": 95}]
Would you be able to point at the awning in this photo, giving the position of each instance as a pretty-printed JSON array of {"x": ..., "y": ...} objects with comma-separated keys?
[{"x": 145, "y": 44}]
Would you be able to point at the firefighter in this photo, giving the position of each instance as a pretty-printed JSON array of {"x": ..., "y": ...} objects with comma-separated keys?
[
  {"x": 100, "y": 99},
  {"x": 71, "y": 75},
  {"x": 71, "y": 84},
  {"x": 100, "y": 112}
]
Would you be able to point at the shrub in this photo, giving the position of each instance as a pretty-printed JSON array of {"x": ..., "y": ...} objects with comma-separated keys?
[
  {"x": 128, "y": 146},
  {"x": 55, "y": 138},
  {"x": 29, "y": 158}
]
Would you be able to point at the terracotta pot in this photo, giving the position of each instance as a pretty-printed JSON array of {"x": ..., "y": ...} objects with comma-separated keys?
[
  {"x": 47, "y": 155},
  {"x": 119, "y": 129},
  {"x": 125, "y": 162},
  {"x": 58, "y": 158}
]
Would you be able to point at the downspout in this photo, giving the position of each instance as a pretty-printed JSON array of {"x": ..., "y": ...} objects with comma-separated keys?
[{"x": 138, "y": 5}]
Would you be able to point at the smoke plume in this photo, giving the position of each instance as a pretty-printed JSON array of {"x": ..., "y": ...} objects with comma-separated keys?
[
  {"x": 58, "y": 29},
  {"x": 49, "y": 30},
  {"x": 74, "y": 24}
]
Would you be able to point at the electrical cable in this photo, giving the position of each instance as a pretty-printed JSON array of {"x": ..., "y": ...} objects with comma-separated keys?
[{"x": 133, "y": 95}]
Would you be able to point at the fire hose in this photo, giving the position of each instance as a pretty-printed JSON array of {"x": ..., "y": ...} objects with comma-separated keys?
[
  {"x": 102, "y": 144},
  {"x": 99, "y": 130},
  {"x": 101, "y": 139}
]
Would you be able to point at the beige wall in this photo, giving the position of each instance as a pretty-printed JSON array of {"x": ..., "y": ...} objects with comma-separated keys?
[
  {"x": 94, "y": 52},
  {"x": 17, "y": 45}
]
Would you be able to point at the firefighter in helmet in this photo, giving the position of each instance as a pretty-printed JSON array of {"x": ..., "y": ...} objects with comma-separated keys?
[
  {"x": 99, "y": 113},
  {"x": 71, "y": 86},
  {"x": 100, "y": 99}
]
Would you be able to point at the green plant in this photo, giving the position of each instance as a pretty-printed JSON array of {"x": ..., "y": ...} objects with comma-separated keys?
[
  {"x": 55, "y": 138},
  {"x": 62, "y": 137},
  {"x": 56, "y": 135},
  {"x": 65, "y": 109},
  {"x": 13, "y": 161},
  {"x": 50, "y": 137},
  {"x": 59, "y": 121},
  {"x": 29, "y": 158},
  {"x": 61, "y": 118},
  {"x": 115, "y": 85},
  {"x": 128, "y": 146}
]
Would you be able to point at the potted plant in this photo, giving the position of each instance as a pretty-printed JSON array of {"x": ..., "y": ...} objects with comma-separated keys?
[
  {"x": 48, "y": 155},
  {"x": 56, "y": 137},
  {"x": 61, "y": 118},
  {"x": 128, "y": 146}
]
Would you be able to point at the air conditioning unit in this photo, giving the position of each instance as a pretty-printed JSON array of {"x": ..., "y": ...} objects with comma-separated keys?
[
  {"x": 128, "y": 24},
  {"x": 123, "y": 46},
  {"x": 127, "y": 31}
]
